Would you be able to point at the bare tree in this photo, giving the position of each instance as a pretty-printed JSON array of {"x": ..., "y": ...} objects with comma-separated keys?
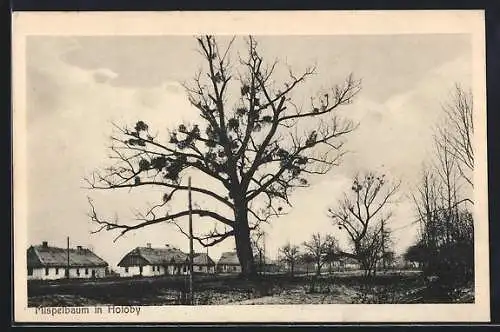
[
  {"x": 439, "y": 196},
  {"x": 319, "y": 247},
  {"x": 440, "y": 199},
  {"x": 332, "y": 254},
  {"x": 247, "y": 140},
  {"x": 289, "y": 254},
  {"x": 446, "y": 225},
  {"x": 426, "y": 204},
  {"x": 257, "y": 241},
  {"x": 363, "y": 213},
  {"x": 307, "y": 259},
  {"x": 458, "y": 130}
]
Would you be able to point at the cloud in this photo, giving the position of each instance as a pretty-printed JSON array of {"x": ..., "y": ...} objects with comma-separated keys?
[{"x": 104, "y": 75}]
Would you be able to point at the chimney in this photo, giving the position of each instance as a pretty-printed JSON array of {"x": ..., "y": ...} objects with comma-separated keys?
[
  {"x": 45, "y": 244},
  {"x": 148, "y": 245}
]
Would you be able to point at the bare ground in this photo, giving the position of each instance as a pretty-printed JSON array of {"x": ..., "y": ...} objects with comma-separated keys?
[{"x": 277, "y": 289}]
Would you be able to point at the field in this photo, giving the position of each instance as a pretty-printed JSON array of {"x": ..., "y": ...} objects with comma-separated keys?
[{"x": 339, "y": 288}]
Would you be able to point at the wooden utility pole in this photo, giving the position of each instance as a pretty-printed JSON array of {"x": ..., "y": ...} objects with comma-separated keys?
[
  {"x": 67, "y": 257},
  {"x": 383, "y": 245},
  {"x": 191, "y": 253},
  {"x": 264, "y": 250}
]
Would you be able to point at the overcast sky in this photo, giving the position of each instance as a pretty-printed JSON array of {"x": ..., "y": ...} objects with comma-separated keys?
[{"x": 77, "y": 86}]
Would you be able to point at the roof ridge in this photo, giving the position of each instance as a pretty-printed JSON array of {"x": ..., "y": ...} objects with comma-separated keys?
[
  {"x": 55, "y": 255},
  {"x": 38, "y": 255}
]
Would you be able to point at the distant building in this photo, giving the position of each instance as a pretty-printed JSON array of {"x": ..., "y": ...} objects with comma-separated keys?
[
  {"x": 345, "y": 262},
  {"x": 45, "y": 262},
  {"x": 229, "y": 263},
  {"x": 148, "y": 261},
  {"x": 202, "y": 263},
  {"x": 265, "y": 264},
  {"x": 350, "y": 263}
]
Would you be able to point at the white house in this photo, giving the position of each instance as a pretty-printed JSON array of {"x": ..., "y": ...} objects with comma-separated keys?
[
  {"x": 202, "y": 263},
  {"x": 229, "y": 263},
  {"x": 148, "y": 261},
  {"x": 44, "y": 262}
]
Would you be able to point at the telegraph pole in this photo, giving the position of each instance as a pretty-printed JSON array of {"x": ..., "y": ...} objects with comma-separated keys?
[
  {"x": 383, "y": 245},
  {"x": 67, "y": 257},
  {"x": 191, "y": 295},
  {"x": 264, "y": 250}
]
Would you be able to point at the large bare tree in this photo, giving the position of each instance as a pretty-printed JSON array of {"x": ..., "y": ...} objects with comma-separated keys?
[
  {"x": 248, "y": 140},
  {"x": 363, "y": 213}
]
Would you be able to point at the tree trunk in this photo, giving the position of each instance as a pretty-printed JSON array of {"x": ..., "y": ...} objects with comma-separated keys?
[
  {"x": 243, "y": 244},
  {"x": 365, "y": 266}
]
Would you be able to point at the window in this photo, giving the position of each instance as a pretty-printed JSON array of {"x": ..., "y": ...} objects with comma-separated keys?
[
  {"x": 46, "y": 271},
  {"x": 140, "y": 269},
  {"x": 30, "y": 271},
  {"x": 86, "y": 271},
  {"x": 184, "y": 269},
  {"x": 126, "y": 270},
  {"x": 77, "y": 272},
  {"x": 234, "y": 268},
  {"x": 57, "y": 270}
]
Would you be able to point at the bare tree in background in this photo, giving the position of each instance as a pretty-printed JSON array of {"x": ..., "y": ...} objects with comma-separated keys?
[
  {"x": 318, "y": 247},
  {"x": 332, "y": 254},
  {"x": 289, "y": 254},
  {"x": 307, "y": 259},
  {"x": 247, "y": 140},
  {"x": 441, "y": 199},
  {"x": 257, "y": 241},
  {"x": 363, "y": 213},
  {"x": 458, "y": 130}
]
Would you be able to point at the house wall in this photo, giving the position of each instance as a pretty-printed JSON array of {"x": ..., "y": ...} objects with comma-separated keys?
[
  {"x": 203, "y": 269},
  {"x": 177, "y": 269},
  {"x": 131, "y": 271},
  {"x": 152, "y": 270},
  {"x": 229, "y": 268},
  {"x": 53, "y": 273},
  {"x": 40, "y": 274},
  {"x": 352, "y": 266}
]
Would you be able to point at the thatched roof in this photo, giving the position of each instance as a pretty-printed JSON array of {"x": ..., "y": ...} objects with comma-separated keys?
[
  {"x": 228, "y": 258},
  {"x": 45, "y": 256},
  {"x": 202, "y": 259},
  {"x": 153, "y": 256}
]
